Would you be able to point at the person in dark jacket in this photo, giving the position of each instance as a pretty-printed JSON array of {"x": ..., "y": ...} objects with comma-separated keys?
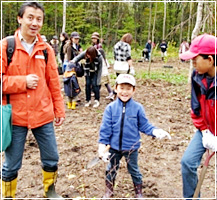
[
  {"x": 55, "y": 45},
  {"x": 123, "y": 120},
  {"x": 71, "y": 85},
  {"x": 73, "y": 47},
  {"x": 202, "y": 51},
  {"x": 92, "y": 73},
  {"x": 163, "y": 48},
  {"x": 147, "y": 51},
  {"x": 63, "y": 38}
]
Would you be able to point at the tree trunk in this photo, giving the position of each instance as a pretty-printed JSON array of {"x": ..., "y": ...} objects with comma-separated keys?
[
  {"x": 55, "y": 18},
  {"x": 165, "y": 17},
  {"x": 181, "y": 27},
  {"x": 149, "y": 23},
  {"x": 189, "y": 22},
  {"x": 64, "y": 16},
  {"x": 152, "y": 38},
  {"x": 195, "y": 32},
  {"x": 100, "y": 20},
  {"x": 109, "y": 24},
  {"x": 117, "y": 27}
]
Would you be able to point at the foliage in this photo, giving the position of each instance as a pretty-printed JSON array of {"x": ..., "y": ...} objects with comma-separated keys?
[{"x": 113, "y": 19}]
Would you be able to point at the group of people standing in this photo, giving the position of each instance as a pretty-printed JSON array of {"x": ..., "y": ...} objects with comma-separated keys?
[
  {"x": 32, "y": 83},
  {"x": 95, "y": 65}
]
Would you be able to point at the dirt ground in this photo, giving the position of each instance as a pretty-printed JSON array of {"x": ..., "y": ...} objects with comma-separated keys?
[{"x": 167, "y": 106}]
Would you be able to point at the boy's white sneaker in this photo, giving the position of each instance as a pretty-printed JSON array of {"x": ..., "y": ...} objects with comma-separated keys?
[
  {"x": 87, "y": 104},
  {"x": 96, "y": 104}
]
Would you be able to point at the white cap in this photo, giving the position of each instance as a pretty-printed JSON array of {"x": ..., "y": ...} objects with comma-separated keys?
[{"x": 126, "y": 78}]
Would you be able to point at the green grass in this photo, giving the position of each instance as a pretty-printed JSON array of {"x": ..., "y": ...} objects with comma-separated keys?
[{"x": 168, "y": 75}]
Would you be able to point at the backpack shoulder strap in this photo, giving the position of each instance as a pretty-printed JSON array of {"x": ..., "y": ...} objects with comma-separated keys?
[
  {"x": 45, "y": 55},
  {"x": 10, "y": 48}
]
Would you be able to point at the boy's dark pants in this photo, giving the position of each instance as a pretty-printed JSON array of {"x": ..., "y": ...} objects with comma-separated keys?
[{"x": 131, "y": 158}]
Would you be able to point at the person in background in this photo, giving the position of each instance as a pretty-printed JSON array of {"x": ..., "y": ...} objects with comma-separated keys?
[
  {"x": 203, "y": 86},
  {"x": 95, "y": 40},
  {"x": 105, "y": 75},
  {"x": 122, "y": 55},
  {"x": 34, "y": 89},
  {"x": 92, "y": 73},
  {"x": 44, "y": 38},
  {"x": 63, "y": 38},
  {"x": 163, "y": 48},
  {"x": 184, "y": 46},
  {"x": 71, "y": 85},
  {"x": 122, "y": 122},
  {"x": 147, "y": 50},
  {"x": 73, "y": 47},
  {"x": 55, "y": 45}
]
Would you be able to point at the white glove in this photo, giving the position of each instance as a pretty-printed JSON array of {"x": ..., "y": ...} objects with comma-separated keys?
[
  {"x": 132, "y": 71},
  {"x": 160, "y": 133},
  {"x": 102, "y": 153},
  {"x": 209, "y": 140}
]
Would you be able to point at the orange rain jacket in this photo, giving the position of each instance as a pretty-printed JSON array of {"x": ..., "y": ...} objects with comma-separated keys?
[{"x": 32, "y": 108}]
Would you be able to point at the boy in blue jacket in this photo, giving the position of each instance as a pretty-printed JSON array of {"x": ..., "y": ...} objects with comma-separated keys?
[{"x": 122, "y": 123}]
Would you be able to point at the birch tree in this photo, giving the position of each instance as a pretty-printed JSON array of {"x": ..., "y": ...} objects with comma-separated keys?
[
  {"x": 149, "y": 23},
  {"x": 195, "y": 32},
  {"x": 64, "y": 16},
  {"x": 152, "y": 38},
  {"x": 165, "y": 16},
  {"x": 189, "y": 22}
]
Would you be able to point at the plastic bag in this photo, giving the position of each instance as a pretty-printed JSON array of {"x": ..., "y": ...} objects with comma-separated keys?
[{"x": 6, "y": 126}]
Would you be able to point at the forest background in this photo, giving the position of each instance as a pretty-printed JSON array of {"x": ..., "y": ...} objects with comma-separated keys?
[
  {"x": 164, "y": 92},
  {"x": 170, "y": 20}
]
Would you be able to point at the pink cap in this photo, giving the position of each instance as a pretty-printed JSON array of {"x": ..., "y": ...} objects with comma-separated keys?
[{"x": 202, "y": 44}]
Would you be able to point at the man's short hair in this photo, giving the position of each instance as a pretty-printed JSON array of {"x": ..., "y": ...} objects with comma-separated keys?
[{"x": 29, "y": 4}]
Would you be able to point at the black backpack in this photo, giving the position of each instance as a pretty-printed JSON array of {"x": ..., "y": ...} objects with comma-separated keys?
[{"x": 11, "y": 48}]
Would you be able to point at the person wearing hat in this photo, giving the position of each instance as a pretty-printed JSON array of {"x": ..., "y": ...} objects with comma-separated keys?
[
  {"x": 203, "y": 54},
  {"x": 55, "y": 45},
  {"x": 95, "y": 40},
  {"x": 123, "y": 120},
  {"x": 71, "y": 85},
  {"x": 73, "y": 47}
]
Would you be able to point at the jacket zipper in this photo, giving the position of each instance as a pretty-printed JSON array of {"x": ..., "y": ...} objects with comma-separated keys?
[{"x": 122, "y": 125}]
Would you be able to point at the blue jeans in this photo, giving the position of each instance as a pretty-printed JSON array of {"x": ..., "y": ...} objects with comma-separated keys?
[
  {"x": 131, "y": 158},
  {"x": 190, "y": 162},
  {"x": 91, "y": 83},
  {"x": 46, "y": 140}
]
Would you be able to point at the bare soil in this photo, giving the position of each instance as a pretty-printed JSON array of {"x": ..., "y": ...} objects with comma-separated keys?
[{"x": 167, "y": 106}]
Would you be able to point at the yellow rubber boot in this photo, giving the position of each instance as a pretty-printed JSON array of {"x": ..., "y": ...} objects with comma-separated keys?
[
  {"x": 49, "y": 179},
  {"x": 69, "y": 105},
  {"x": 73, "y": 105},
  {"x": 9, "y": 188}
]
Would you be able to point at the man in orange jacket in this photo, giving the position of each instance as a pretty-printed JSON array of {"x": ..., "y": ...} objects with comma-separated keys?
[{"x": 34, "y": 89}]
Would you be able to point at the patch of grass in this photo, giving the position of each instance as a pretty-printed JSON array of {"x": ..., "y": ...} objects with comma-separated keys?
[{"x": 167, "y": 75}]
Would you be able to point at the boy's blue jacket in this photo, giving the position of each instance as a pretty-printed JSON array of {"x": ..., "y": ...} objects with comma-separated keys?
[{"x": 122, "y": 129}]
